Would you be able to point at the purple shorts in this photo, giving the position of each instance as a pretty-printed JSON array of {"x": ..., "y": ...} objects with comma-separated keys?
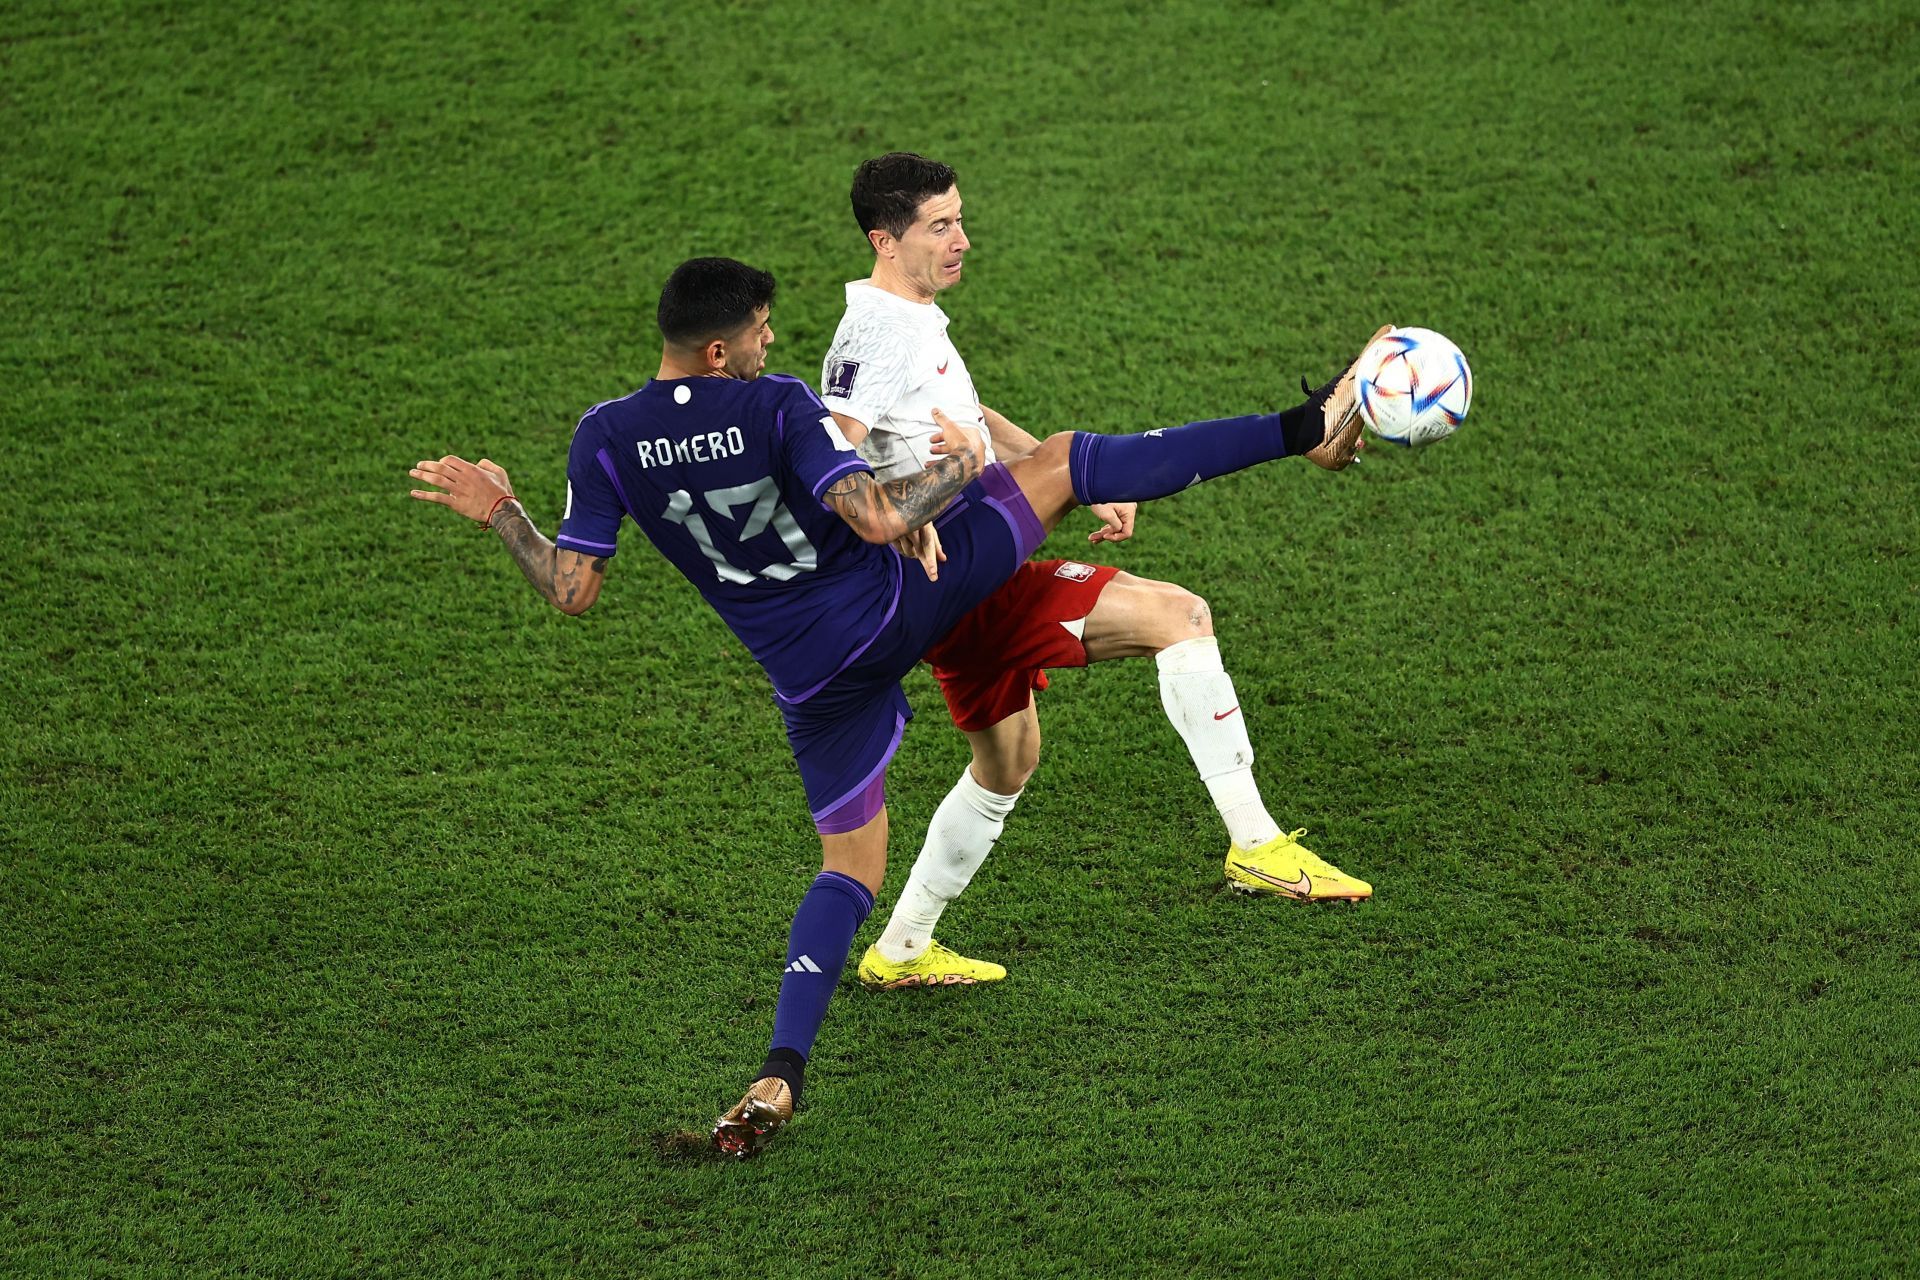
[{"x": 846, "y": 732}]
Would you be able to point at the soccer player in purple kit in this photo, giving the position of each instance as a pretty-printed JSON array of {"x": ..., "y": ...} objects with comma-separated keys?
[{"x": 747, "y": 485}]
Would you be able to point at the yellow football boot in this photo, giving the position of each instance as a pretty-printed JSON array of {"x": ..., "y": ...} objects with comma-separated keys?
[
  {"x": 753, "y": 1121},
  {"x": 937, "y": 966},
  {"x": 1288, "y": 869}
]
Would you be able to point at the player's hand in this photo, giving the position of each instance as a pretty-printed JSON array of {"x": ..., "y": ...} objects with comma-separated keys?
[
  {"x": 1116, "y": 519},
  {"x": 954, "y": 440},
  {"x": 470, "y": 488},
  {"x": 923, "y": 544}
]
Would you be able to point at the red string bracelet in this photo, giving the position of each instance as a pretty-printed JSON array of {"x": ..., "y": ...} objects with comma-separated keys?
[{"x": 488, "y": 522}]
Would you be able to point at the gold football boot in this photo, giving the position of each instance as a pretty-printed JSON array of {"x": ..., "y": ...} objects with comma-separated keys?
[{"x": 753, "y": 1121}]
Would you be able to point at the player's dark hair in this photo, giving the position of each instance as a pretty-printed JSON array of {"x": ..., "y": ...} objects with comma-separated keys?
[
  {"x": 888, "y": 190},
  {"x": 708, "y": 298}
]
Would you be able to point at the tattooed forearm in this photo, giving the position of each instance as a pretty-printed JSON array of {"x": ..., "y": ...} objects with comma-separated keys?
[
  {"x": 919, "y": 498},
  {"x": 884, "y": 512},
  {"x": 533, "y": 553},
  {"x": 565, "y": 579},
  {"x": 576, "y": 578},
  {"x": 851, "y": 497}
]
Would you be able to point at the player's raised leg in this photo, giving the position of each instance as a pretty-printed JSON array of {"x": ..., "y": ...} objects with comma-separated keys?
[
  {"x": 1135, "y": 617},
  {"x": 1079, "y": 468},
  {"x": 961, "y": 835}
]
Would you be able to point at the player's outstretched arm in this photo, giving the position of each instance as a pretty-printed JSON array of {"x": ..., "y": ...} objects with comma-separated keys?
[
  {"x": 567, "y": 580},
  {"x": 480, "y": 491},
  {"x": 1010, "y": 440},
  {"x": 885, "y": 511}
]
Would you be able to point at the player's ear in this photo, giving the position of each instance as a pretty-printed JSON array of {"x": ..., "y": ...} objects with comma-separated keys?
[
  {"x": 715, "y": 353},
  {"x": 881, "y": 241}
]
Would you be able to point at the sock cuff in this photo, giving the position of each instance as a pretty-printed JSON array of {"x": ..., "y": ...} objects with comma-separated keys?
[
  {"x": 1080, "y": 467},
  {"x": 988, "y": 804},
  {"x": 1303, "y": 427},
  {"x": 846, "y": 884},
  {"x": 1198, "y": 655},
  {"x": 786, "y": 1064}
]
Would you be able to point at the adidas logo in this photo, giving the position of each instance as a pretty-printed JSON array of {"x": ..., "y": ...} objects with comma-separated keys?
[{"x": 804, "y": 964}]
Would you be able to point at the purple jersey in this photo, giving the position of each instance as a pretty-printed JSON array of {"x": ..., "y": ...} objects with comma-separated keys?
[{"x": 725, "y": 478}]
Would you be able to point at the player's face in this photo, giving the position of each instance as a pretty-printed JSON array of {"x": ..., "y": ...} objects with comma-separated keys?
[
  {"x": 931, "y": 250},
  {"x": 747, "y": 350}
]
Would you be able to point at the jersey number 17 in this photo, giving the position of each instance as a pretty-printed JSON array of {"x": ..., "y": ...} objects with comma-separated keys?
[{"x": 767, "y": 510}]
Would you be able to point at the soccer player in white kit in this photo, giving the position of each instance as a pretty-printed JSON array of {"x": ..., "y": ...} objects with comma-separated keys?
[{"x": 891, "y": 364}]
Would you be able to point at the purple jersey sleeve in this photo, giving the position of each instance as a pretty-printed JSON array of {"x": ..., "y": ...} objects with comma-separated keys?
[
  {"x": 815, "y": 448},
  {"x": 594, "y": 505}
]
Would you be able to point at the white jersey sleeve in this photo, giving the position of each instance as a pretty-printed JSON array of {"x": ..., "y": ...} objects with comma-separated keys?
[
  {"x": 890, "y": 366},
  {"x": 867, "y": 370}
]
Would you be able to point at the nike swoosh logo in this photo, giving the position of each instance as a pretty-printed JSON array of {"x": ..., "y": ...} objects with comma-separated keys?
[
  {"x": 1298, "y": 888},
  {"x": 942, "y": 368},
  {"x": 1229, "y": 711}
]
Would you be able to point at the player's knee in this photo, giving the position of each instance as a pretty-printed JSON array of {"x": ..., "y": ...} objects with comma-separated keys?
[
  {"x": 1007, "y": 775},
  {"x": 1005, "y": 772},
  {"x": 1055, "y": 448},
  {"x": 1199, "y": 615},
  {"x": 1045, "y": 477},
  {"x": 1182, "y": 615},
  {"x": 1053, "y": 460},
  {"x": 870, "y": 869},
  {"x": 1025, "y": 761}
]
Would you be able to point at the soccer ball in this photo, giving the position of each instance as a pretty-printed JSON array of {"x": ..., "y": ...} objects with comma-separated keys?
[{"x": 1414, "y": 387}]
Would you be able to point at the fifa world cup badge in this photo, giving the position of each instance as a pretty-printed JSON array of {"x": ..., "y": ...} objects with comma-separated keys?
[{"x": 840, "y": 377}]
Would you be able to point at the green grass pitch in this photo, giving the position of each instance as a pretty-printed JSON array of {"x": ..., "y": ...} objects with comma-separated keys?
[{"x": 364, "y": 917}]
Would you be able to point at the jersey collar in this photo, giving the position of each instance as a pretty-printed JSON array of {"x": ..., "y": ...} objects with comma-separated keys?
[{"x": 866, "y": 295}]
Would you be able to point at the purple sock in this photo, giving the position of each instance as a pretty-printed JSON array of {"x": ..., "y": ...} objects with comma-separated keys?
[
  {"x": 817, "y": 947},
  {"x": 1153, "y": 464}
]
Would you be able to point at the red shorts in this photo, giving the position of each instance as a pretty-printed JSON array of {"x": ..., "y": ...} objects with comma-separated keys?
[{"x": 992, "y": 660}]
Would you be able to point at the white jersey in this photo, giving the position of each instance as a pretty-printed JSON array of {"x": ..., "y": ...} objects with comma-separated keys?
[{"x": 890, "y": 366}]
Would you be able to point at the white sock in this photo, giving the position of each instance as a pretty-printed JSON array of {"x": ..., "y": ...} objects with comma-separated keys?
[
  {"x": 959, "y": 838},
  {"x": 1198, "y": 695}
]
